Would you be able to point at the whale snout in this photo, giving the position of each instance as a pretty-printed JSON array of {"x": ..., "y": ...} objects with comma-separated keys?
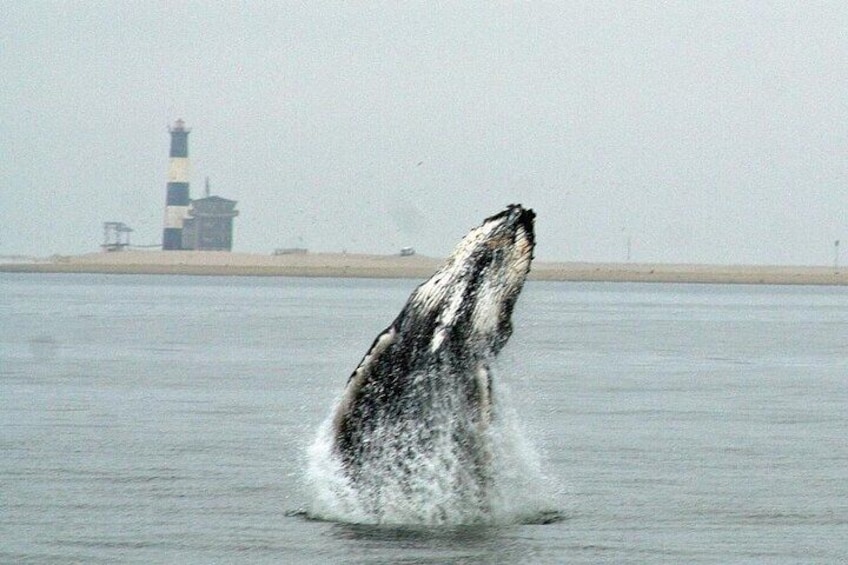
[
  {"x": 513, "y": 225},
  {"x": 521, "y": 216}
]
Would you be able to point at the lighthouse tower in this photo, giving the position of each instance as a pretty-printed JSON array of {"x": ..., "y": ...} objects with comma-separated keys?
[{"x": 177, "y": 200}]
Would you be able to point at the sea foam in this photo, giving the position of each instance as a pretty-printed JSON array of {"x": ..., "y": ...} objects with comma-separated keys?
[{"x": 427, "y": 488}]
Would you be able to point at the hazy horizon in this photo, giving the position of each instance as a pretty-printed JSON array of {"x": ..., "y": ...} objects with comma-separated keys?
[{"x": 687, "y": 132}]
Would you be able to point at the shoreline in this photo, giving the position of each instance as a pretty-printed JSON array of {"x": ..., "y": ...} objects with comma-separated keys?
[{"x": 349, "y": 265}]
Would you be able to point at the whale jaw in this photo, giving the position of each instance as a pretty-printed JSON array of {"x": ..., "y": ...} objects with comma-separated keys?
[{"x": 411, "y": 427}]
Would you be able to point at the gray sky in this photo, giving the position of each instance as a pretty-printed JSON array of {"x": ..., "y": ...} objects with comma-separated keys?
[{"x": 701, "y": 131}]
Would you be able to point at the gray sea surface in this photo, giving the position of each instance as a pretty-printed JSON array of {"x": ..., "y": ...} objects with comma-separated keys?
[{"x": 166, "y": 419}]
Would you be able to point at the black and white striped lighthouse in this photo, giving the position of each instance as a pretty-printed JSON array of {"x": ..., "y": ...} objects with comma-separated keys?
[{"x": 177, "y": 200}]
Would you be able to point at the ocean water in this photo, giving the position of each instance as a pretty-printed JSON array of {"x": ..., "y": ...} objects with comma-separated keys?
[{"x": 159, "y": 419}]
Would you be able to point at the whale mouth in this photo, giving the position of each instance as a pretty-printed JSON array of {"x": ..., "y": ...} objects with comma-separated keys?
[{"x": 412, "y": 435}]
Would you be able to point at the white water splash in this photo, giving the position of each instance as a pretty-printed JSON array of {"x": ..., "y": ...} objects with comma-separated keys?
[{"x": 430, "y": 493}]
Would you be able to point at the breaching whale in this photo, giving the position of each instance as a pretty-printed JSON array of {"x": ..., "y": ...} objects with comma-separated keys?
[{"x": 411, "y": 430}]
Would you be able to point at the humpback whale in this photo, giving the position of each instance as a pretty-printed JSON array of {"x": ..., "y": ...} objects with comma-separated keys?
[{"x": 410, "y": 433}]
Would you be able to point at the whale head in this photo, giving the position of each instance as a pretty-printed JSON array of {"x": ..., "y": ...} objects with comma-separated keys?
[{"x": 470, "y": 299}]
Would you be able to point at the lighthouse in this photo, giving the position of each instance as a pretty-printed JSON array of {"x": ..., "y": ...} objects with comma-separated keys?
[{"x": 177, "y": 199}]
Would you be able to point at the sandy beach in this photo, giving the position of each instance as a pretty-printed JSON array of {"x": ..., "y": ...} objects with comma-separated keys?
[{"x": 415, "y": 267}]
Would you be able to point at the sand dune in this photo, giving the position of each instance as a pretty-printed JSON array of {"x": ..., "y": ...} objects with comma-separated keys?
[{"x": 416, "y": 267}]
